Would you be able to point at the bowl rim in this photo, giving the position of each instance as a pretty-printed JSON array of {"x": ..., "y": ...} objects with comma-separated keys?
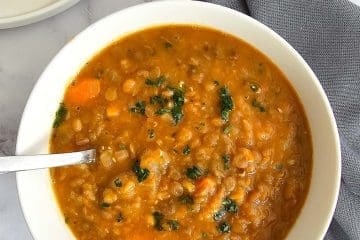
[{"x": 335, "y": 190}]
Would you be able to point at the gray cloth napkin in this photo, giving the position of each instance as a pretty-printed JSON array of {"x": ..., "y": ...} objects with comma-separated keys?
[{"x": 327, "y": 35}]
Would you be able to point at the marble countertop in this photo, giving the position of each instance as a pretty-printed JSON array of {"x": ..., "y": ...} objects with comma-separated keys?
[{"x": 24, "y": 53}]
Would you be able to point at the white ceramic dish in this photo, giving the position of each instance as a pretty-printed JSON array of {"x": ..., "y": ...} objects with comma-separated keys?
[
  {"x": 36, "y": 195},
  {"x": 357, "y": 2},
  {"x": 15, "y": 13}
]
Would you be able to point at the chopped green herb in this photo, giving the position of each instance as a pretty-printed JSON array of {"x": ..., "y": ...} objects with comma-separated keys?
[
  {"x": 119, "y": 217},
  {"x": 186, "y": 150},
  {"x": 226, "y": 159},
  {"x": 173, "y": 225},
  {"x": 168, "y": 44},
  {"x": 178, "y": 96},
  {"x": 177, "y": 114},
  {"x": 279, "y": 166},
  {"x": 104, "y": 205},
  {"x": 162, "y": 111},
  {"x": 230, "y": 205},
  {"x": 117, "y": 182},
  {"x": 226, "y": 103},
  {"x": 60, "y": 115},
  {"x": 186, "y": 199},
  {"x": 151, "y": 133},
  {"x": 156, "y": 82},
  {"x": 224, "y": 227},
  {"x": 193, "y": 173},
  {"x": 254, "y": 87},
  {"x": 178, "y": 99},
  {"x": 227, "y": 129},
  {"x": 158, "y": 217},
  {"x": 258, "y": 105},
  {"x": 122, "y": 146},
  {"x": 157, "y": 99},
  {"x": 219, "y": 215},
  {"x": 216, "y": 82},
  {"x": 67, "y": 219},
  {"x": 139, "y": 107},
  {"x": 141, "y": 173}
]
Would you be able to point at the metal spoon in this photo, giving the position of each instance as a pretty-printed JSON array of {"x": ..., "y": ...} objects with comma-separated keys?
[{"x": 22, "y": 163}]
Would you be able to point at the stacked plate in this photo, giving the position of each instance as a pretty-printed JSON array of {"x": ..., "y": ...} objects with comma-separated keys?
[{"x": 14, "y": 13}]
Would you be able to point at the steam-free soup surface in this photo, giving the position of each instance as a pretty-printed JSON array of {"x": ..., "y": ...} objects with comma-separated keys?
[{"x": 198, "y": 135}]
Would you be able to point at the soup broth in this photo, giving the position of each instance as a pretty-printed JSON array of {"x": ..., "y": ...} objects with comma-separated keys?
[{"x": 198, "y": 136}]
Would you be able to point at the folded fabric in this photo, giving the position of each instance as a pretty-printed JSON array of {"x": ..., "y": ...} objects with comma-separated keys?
[{"x": 327, "y": 35}]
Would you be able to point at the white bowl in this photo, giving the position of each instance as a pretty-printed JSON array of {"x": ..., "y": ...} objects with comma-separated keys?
[{"x": 35, "y": 190}]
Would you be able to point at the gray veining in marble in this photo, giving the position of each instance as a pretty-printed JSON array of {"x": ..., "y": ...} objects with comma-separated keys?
[{"x": 24, "y": 53}]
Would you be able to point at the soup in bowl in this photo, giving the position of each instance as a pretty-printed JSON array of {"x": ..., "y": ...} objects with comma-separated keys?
[{"x": 203, "y": 130}]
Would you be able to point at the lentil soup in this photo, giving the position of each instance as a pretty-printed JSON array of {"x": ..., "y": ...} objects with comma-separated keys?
[{"x": 198, "y": 135}]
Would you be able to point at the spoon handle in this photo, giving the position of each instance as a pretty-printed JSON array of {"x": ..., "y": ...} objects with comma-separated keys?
[{"x": 22, "y": 163}]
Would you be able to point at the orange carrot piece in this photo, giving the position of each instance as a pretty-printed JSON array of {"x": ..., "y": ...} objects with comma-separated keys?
[
  {"x": 112, "y": 111},
  {"x": 205, "y": 186},
  {"x": 82, "y": 91}
]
